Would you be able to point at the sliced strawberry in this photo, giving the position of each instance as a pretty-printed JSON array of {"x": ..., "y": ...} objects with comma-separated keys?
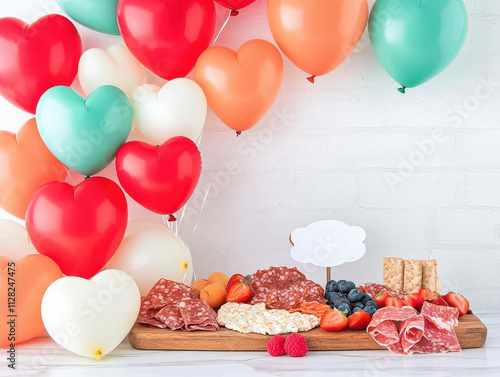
[
  {"x": 457, "y": 301},
  {"x": 414, "y": 300},
  {"x": 380, "y": 299},
  {"x": 439, "y": 301},
  {"x": 359, "y": 320},
  {"x": 239, "y": 292},
  {"x": 333, "y": 320},
  {"x": 393, "y": 300},
  {"x": 234, "y": 279},
  {"x": 427, "y": 295}
]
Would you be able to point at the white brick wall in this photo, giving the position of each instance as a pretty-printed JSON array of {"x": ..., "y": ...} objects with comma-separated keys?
[{"x": 420, "y": 172}]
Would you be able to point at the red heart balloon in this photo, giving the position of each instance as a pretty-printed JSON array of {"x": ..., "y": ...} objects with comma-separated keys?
[
  {"x": 160, "y": 178},
  {"x": 80, "y": 227},
  {"x": 36, "y": 57},
  {"x": 167, "y": 36},
  {"x": 235, "y": 4}
]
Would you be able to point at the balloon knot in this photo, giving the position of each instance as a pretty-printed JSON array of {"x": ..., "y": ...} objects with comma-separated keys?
[
  {"x": 172, "y": 218},
  {"x": 87, "y": 177},
  {"x": 234, "y": 12},
  {"x": 311, "y": 79},
  {"x": 402, "y": 90},
  {"x": 238, "y": 133}
]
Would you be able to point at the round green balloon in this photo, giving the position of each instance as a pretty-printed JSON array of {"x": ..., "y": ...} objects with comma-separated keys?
[
  {"x": 97, "y": 15},
  {"x": 84, "y": 134},
  {"x": 415, "y": 40}
]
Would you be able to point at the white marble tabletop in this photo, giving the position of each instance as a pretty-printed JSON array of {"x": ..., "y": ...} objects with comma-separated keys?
[{"x": 42, "y": 357}]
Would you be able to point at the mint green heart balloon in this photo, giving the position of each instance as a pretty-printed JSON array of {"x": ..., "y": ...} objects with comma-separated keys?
[
  {"x": 415, "y": 40},
  {"x": 84, "y": 134},
  {"x": 97, "y": 15}
]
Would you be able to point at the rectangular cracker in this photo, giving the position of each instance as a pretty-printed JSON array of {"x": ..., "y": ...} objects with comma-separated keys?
[
  {"x": 439, "y": 286},
  {"x": 394, "y": 273},
  {"x": 413, "y": 276},
  {"x": 429, "y": 274}
]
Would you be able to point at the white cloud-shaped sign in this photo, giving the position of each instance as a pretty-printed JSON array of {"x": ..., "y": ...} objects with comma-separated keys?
[{"x": 328, "y": 243}]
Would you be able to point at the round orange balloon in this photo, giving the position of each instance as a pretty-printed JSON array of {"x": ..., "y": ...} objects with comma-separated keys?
[
  {"x": 22, "y": 287},
  {"x": 317, "y": 35},
  {"x": 25, "y": 165},
  {"x": 240, "y": 86}
]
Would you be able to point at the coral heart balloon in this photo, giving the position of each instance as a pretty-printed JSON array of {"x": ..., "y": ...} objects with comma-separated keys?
[
  {"x": 167, "y": 36},
  {"x": 415, "y": 40},
  {"x": 99, "y": 15},
  {"x": 235, "y": 4},
  {"x": 179, "y": 108},
  {"x": 160, "y": 178},
  {"x": 36, "y": 57},
  {"x": 240, "y": 86},
  {"x": 78, "y": 227},
  {"x": 84, "y": 134},
  {"x": 31, "y": 275},
  {"x": 14, "y": 241},
  {"x": 317, "y": 35},
  {"x": 91, "y": 317},
  {"x": 25, "y": 165},
  {"x": 116, "y": 66}
]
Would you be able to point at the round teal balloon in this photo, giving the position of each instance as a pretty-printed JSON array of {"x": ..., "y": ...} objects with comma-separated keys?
[
  {"x": 415, "y": 40},
  {"x": 97, "y": 15},
  {"x": 84, "y": 134}
]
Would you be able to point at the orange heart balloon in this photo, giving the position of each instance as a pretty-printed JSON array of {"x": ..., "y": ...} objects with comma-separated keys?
[
  {"x": 317, "y": 35},
  {"x": 25, "y": 165},
  {"x": 240, "y": 86},
  {"x": 29, "y": 278}
]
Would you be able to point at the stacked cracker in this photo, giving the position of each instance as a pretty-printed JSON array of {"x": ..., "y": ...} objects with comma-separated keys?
[{"x": 409, "y": 276}]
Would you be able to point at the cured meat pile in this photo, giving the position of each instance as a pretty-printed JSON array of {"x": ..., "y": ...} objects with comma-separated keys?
[
  {"x": 173, "y": 305},
  {"x": 431, "y": 331},
  {"x": 313, "y": 307},
  {"x": 284, "y": 288}
]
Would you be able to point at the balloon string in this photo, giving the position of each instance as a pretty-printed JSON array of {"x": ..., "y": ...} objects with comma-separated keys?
[
  {"x": 223, "y": 26},
  {"x": 202, "y": 206}
]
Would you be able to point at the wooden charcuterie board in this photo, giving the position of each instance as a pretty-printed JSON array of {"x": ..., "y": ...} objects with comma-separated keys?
[{"x": 471, "y": 333}]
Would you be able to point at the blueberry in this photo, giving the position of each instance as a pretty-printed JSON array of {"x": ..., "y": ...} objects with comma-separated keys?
[
  {"x": 373, "y": 304},
  {"x": 370, "y": 310},
  {"x": 342, "y": 300},
  {"x": 359, "y": 305},
  {"x": 332, "y": 296},
  {"x": 346, "y": 287},
  {"x": 344, "y": 309},
  {"x": 341, "y": 281},
  {"x": 355, "y": 309},
  {"x": 331, "y": 286},
  {"x": 355, "y": 295},
  {"x": 366, "y": 298}
]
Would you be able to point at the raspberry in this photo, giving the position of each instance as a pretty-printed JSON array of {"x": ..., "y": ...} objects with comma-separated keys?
[
  {"x": 275, "y": 345},
  {"x": 296, "y": 345}
]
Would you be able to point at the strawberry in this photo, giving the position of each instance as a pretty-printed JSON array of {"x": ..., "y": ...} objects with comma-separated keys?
[
  {"x": 439, "y": 301},
  {"x": 239, "y": 292},
  {"x": 333, "y": 320},
  {"x": 427, "y": 295},
  {"x": 414, "y": 300},
  {"x": 393, "y": 300},
  {"x": 361, "y": 289},
  {"x": 234, "y": 279},
  {"x": 380, "y": 299},
  {"x": 359, "y": 320},
  {"x": 457, "y": 301}
]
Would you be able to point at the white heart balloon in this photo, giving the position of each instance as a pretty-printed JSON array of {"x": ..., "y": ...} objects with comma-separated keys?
[
  {"x": 151, "y": 251},
  {"x": 14, "y": 240},
  {"x": 91, "y": 317},
  {"x": 116, "y": 66},
  {"x": 179, "y": 108}
]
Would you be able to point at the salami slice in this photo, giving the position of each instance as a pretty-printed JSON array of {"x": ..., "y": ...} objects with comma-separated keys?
[
  {"x": 411, "y": 333},
  {"x": 198, "y": 315},
  {"x": 443, "y": 317},
  {"x": 171, "y": 316},
  {"x": 374, "y": 289}
]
